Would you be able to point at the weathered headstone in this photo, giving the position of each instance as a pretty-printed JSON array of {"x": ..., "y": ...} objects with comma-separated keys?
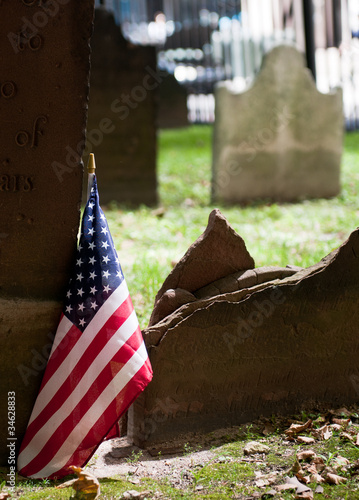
[
  {"x": 255, "y": 348},
  {"x": 172, "y": 107},
  {"x": 280, "y": 139},
  {"x": 45, "y": 52},
  {"x": 219, "y": 251},
  {"x": 122, "y": 114}
]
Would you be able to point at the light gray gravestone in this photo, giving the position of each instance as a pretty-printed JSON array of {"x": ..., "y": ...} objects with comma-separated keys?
[
  {"x": 280, "y": 139},
  {"x": 44, "y": 70}
]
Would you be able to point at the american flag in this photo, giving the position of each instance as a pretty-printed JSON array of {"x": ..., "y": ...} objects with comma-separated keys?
[{"x": 98, "y": 364}]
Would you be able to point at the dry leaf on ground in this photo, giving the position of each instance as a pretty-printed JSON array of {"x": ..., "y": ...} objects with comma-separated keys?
[
  {"x": 341, "y": 421},
  {"x": 322, "y": 433},
  {"x": 335, "y": 427},
  {"x": 340, "y": 412},
  {"x": 334, "y": 479},
  {"x": 268, "y": 429},
  {"x": 285, "y": 487},
  {"x": 316, "y": 478},
  {"x": 319, "y": 463},
  {"x": 305, "y": 439},
  {"x": 346, "y": 436},
  {"x": 340, "y": 461},
  {"x": 306, "y": 494},
  {"x": 295, "y": 429},
  {"x": 86, "y": 485},
  {"x": 303, "y": 479},
  {"x": 296, "y": 468},
  {"x": 299, "y": 486},
  {"x": 306, "y": 455}
]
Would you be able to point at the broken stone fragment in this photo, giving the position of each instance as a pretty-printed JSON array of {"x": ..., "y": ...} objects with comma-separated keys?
[
  {"x": 218, "y": 252},
  {"x": 275, "y": 347},
  {"x": 244, "y": 279},
  {"x": 170, "y": 302}
]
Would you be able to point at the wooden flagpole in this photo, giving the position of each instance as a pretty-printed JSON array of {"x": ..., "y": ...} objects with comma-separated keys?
[{"x": 91, "y": 168}]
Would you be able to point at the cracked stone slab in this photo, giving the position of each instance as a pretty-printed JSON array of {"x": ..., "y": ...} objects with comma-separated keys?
[
  {"x": 218, "y": 252},
  {"x": 275, "y": 347}
]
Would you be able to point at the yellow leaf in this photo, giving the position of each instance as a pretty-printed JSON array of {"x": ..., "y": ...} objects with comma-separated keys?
[{"x": 86, "y": 485}]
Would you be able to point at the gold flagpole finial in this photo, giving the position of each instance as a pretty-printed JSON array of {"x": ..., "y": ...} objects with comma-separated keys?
[{"x": 91, "y": 165}]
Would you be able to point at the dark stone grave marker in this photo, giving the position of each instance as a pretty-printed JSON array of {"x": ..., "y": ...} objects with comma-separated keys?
[
  {"x": 257, "y": 342},
  {"x": 122, "y": 114},
  {"x": 44, "y": 46}
]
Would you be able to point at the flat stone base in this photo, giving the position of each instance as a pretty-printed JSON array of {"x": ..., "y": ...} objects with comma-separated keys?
[
  {"x": 27, "y": 329},
  {"x": 293, "y": 175}
]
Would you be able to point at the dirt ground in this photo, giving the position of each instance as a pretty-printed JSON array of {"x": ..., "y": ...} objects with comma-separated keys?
[{"x": 118, "y": 457}]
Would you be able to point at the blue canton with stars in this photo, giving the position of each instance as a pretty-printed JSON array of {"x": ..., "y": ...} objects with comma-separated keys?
[{"x": 97, "y": 271}]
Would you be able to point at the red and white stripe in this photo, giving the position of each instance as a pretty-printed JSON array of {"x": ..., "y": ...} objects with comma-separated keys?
[{"x": 91, "y": 379}]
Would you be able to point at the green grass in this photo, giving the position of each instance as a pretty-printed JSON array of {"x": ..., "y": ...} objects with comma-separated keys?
[
  {"x": 275, "y": 234},
  {"x": 148, "y": 244},
  {"x": 228, "y": 475}
]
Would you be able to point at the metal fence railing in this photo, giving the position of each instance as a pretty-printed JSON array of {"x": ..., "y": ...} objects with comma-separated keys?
[{"x": 205, "y": 41}]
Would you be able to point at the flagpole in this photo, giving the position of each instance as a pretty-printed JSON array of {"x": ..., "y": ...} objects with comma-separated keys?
[{"x": 91, "y": 167}]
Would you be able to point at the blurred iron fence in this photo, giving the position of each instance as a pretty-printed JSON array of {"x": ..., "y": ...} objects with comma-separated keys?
[{"x": 205, "y": 41}]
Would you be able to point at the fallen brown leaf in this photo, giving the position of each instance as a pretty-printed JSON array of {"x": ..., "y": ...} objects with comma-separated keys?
[
  {"x": 341, "y": 421},
  {"x": 340, "y": 461},
  {"x": 300, "y": 486},
  {"x": 346, "y": 436},
  {"x": 306, "y": 455},
  {"x": 86, "y": 485},
  {"x": 303, "y": 479},
  {"x": 320, "y": 421},
  {"x": 285, "y": 487},
  {"x": 357, "y": 440},
  {"x": 305, "y": 439},
  {"x": 340, "y": 412},
  {"x": 268, "y": 429},
  {"x": 316, "y": 478},
  {"x": 312, "y": 469},
  {"x": 335, "y": 427},
  {"x": 334, "y": 479},
  {"x": 322, "y": 433},
  {"x": 297, "y": 428},
  {"x": 319, "y": 463},
  {"x": 261, "y": 483},
  {"x": 4, "y": 496},
  {"x": 296, "y": 467},
  {"x": 305, "y": 494}
]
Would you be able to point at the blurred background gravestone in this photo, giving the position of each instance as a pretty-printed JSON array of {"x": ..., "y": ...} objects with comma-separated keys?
[
  {"x": 43, "y": 105},
  {"x": 172, "y": 109},
  {"x": 122, "y": 114},
  {"x": 202, "y": 42},
  {"x": 280, "y": 139}
]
